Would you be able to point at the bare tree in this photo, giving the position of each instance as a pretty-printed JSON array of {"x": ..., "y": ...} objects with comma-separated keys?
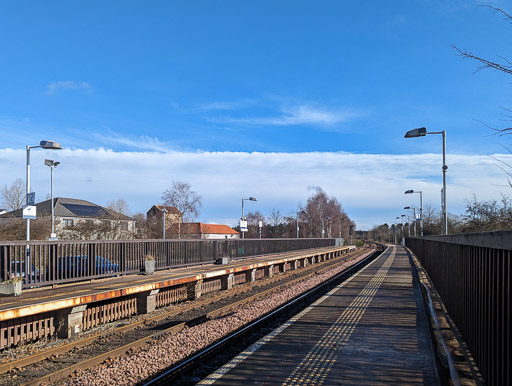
[
  {"x": 119, "y": 206},
  {"x": 253, "y": 218},
  {"x": 326, "y": 213},
  {"x": 184, "y": 199},
  {"x": 13, "y": 197},
  {"x": 276, "y": 224}
]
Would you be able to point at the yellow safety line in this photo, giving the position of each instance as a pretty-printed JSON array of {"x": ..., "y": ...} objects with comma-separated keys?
[
  {"x": 315, "y": 367},
  {"x": 220, "y": 372}
]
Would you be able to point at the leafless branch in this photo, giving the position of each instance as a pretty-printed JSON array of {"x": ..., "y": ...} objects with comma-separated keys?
[
  {"x": 465, "y": 54},
  {"x": 498, "y": 10}
]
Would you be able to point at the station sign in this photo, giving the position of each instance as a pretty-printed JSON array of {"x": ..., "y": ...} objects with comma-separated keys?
[
  {"x": 29, "y": 212},
  {"x": 243, "y": 226},
  {"x": 31, "y": 198}
]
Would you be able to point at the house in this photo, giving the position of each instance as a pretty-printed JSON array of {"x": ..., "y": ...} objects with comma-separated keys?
[
  {"x": 172, "y": 215},
  {"x": 81, "y": 219},
  {"x": 198, "y": 230}
]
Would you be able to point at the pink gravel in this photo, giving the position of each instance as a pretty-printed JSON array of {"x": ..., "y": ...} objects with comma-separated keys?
[{"x": 160, "y": 354}]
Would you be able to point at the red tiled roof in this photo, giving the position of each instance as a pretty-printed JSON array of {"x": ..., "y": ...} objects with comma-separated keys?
[
  {"x": 217, "y": 229},
  {"x": 200, "y": 228}
]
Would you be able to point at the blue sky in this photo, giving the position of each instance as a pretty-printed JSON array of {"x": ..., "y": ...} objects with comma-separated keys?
[{"x": 253, "y": 82}]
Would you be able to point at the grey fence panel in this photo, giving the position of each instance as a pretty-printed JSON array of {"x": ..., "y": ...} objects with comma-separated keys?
[
  {"x": 474, "y": 284},
  {"x": 40, "y": 263}
]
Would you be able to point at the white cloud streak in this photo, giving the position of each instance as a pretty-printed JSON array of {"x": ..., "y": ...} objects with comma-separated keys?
[
  {"x": 369, "y": 186},
  {"x": 296, "y": 115},
  {"x": 54, "y": 87}
]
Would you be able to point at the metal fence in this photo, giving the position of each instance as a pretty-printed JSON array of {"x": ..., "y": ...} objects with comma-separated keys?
[
  {"x": 40, "y": 263},
  {"x": 472, "y": 275}
]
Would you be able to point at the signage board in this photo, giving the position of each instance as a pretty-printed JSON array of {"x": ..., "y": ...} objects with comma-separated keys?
[
  {"x": 418, "y": 217},
  {"x": 243, "y": 226},
  {"x": 260, "y": 224},
  {"x": 31, "y": 198},
  {"x": 29, "y": 212}
]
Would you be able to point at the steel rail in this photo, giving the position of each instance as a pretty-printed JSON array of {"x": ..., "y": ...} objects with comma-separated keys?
[
  {"x": 194, "y": 361},
  {"x": 60, "y": 374}
]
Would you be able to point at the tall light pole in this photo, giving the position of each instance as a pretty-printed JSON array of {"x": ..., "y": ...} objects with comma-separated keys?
[
  {"x": 243, "y": 216},
  {"x": 50, "y": 145},
  {"x": 297, "y": 218},
  {"x": 421, "y": 208},
  {"x": 323, "y": 226},
  {"x": 164, "y": 211},
  {"x": 52, "y": 164},
  {"x": 403, "y": 233},
  {"x": 414, "y": 217},
  {"x": 421, "y": 132}
]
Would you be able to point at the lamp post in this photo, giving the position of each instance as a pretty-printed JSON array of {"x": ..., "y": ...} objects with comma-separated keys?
[
  {"x": 414, "y": 217},
  {"x": 50, "y": 145},
  {"x": 421, "y": 132},
  {"x": 52, "y": 164},
  {"x": 398, "y": 218},
  {"x": 243, "y": 216},
  {"x": 403, "y": 233},
  {"x": 421, "y": 208},
  {"x": 297, "y": 218},
  {"x": 323, "y": 226},
  {"x": 164, "y": 211}
]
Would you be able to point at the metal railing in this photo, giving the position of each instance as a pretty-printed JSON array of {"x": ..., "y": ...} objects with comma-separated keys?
[
  {"x": 40, "y": 263},
  {"x": 472, "y": 273}
]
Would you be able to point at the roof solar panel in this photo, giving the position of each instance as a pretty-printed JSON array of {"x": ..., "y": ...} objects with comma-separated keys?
[{"x": 87, "y": 210}]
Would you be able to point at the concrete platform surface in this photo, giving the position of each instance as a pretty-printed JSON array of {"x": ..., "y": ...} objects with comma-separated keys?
[
  {"x": 370, "y": 330},
  {"x": 46, "y": 299}
]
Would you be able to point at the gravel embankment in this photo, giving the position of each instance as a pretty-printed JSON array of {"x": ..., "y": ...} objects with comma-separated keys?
[{"x": 145, "y": 362}]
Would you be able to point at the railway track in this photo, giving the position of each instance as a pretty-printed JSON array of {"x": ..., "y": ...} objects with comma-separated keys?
[
  {"x": 181, "y": 373},
  {"x": 70, "y": 360}
]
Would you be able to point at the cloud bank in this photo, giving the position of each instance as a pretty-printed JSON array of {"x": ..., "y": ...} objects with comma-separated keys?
[{"x": 369, "y": 186}]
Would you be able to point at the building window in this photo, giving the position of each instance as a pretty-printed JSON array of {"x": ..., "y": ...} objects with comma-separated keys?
[{"x": 67, "y": 223}]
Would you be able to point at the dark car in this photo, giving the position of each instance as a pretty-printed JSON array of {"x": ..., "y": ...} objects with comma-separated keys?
[
  {"x": 78, "y": 266},
  {"x": 18, "y": 269}
]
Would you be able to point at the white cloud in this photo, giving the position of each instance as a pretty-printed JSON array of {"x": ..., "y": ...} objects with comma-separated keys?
[
  {"x": 369, "y": 186},
  {"x": 142, "y": 142},
  {"x": 68, "y": 85},
  {"x": 296, "y": 115}
]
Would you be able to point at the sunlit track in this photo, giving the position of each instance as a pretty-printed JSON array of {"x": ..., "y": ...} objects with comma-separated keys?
[
  {"x": 309, "y": 271},
  {"x": 195, "y": 361}
]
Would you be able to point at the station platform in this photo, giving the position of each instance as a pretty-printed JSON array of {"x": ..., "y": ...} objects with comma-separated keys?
[
  {"x": 38, "y": 312},
  {"x": 372, "y": 329}
]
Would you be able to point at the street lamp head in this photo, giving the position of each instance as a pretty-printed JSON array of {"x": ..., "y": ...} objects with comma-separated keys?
[
  {"x": 51, "y": 163},
  {"x": 50, "y": 145},
  {"x": 421, "y": 132},
  {"x": 303, "y": 212},
  {"x": 407, "y": 207},
  {"x": 409, "y": 191},
  {"x": 252, "y": 199}
]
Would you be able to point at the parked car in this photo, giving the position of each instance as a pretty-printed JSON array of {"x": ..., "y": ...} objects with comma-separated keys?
[
  {"x": 78, "y": 266},
  {"x": 18, "y": 269}
]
